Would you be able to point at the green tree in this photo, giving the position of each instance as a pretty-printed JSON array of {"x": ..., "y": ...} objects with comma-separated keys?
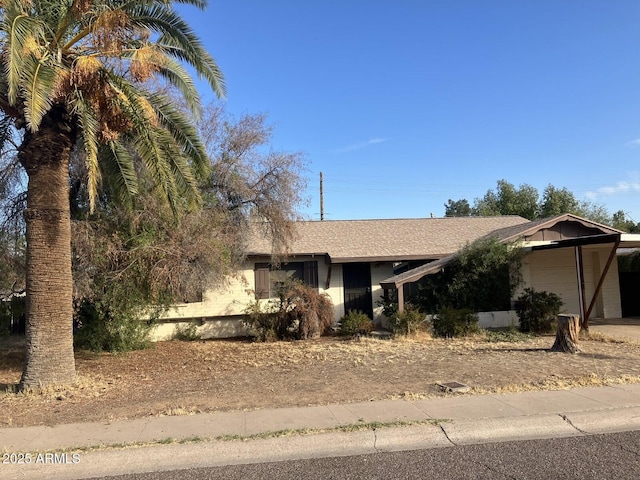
[
  {"x": 621, "y": 221},
  {"x": 508, "y": 200},
  {"x": 556, "y": 201},
  {"x": 457, "y": 208},
  {"x": 85, "y": 76}
]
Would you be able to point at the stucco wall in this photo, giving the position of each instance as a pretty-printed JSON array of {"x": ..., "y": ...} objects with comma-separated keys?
[
  {"x": 555, "y": 271},
  {"x": 219, "y": 315},
  {"x": 379, "y": 272}
]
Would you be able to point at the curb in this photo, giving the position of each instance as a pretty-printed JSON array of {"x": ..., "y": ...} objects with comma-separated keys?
[{"x": 141, "y": 459}]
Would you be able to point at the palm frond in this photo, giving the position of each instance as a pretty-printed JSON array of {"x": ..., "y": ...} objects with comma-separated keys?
[
  {"x": 180, "y": 40},
  {"x": 38, "y": 80},
  {"x": 21, "y": 31},
  {"x": 183, "y": 132},
  {"x": 178, "y": 76},
  {"x": 89, "y": 129},
  {"x": 181, "y": 170},
  {"x": 145, "y": 136},
  {"x": 118, "y": 170}
]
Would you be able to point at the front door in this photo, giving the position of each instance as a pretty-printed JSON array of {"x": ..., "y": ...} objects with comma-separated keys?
[{"x": 357, "y": 288}]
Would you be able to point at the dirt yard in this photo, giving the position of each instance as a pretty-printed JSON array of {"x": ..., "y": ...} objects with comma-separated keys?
[{"x": 178, "y": 378}]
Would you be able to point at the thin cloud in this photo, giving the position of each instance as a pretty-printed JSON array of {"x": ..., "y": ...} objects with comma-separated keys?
[
  {"x": 633, "y": 143},
  {"x": 618, "y": 188},
  {"x": 358, "y": 146}
]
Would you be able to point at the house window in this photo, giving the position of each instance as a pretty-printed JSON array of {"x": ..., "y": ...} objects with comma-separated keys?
[{"x": 269, "y": 278}]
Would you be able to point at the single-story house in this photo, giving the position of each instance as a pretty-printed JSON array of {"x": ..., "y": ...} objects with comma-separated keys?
[
  {"x": 354, "y": 261},
  {"x": 346, "y": 259}
]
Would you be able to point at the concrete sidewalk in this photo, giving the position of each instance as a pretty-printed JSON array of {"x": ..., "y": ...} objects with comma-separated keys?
[{"x": 452, "y": 420}]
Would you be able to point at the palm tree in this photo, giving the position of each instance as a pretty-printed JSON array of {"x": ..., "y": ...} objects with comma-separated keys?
[{"x": 89, "y": 76}]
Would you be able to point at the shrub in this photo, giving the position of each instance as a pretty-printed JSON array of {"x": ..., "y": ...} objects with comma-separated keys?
[
  {"x": 187, "y": 333},
  {"x": 5, "y": 319},
  {"x": 482, "y": 277},
  {"x": 538, "y": 311},
  {"x": 389, "y": 305},
  {"x": 451, "y": 322},
  {"x": 299, "y": 312},
  {"x": 355, "y": 322},
  {"x": 510, "y": 334},
  {"x": 407, "y": 322},
  {"x": 261, "y": 318},
  {"x": 98, "y": 329}
]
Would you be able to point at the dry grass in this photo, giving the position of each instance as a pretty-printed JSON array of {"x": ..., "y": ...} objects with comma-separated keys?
[
  {"x": 591, "y": 380},
  {"x": 183, "y": 378},
  {"x": 601, "y": 337}
]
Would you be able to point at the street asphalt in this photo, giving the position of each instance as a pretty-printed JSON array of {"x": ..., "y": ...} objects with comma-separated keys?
[{"x": 240, "y": 437}]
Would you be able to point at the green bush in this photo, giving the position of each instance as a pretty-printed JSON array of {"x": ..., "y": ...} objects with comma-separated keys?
[
  {"x": 510, "y": 334},
  {"x": 538, "y": 311},
  {"x": 451, "y": 322},
  {"x": 5, "y": 319},
  {"x": 299, "y": 312},
  {"x": 98, "y": 329},
  {"x": 355, "y": 322},
  {"x": 187, "y": 333},
  {"x": 482, "y": 277},
  {"x": 407, "y": 322},
  {"x": 261, "y": 318}
]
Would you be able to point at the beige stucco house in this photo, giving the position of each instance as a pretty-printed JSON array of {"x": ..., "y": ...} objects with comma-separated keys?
[
  {"x": 353, "y": 261},
  {"x": 346, "y": 259}
]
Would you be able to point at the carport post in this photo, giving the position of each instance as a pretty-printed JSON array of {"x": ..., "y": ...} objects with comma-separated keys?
[
  {"x": 581, "y": 300},
  {"x": 400, "y": 298},
  {"x": 612, "y": 255}
]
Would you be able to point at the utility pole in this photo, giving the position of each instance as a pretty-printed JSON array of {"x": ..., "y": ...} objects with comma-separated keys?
[{"x": 321, "y": 199}]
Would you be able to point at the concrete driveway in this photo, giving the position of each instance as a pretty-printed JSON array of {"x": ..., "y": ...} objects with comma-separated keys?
[{"x": 625, "y": 328}]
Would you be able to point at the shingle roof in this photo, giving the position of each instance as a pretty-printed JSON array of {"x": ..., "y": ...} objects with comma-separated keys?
[
  {"x": 397, "y": 239},
  {"x": 504, "y": 234},
  {"x": 522, "y": 230}
]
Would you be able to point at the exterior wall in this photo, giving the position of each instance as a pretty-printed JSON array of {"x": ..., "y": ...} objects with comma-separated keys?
[
  {"x": 554, "y": 270},
  {"x": 207, "y": 328},
  {"x": 219, "y": 315},
  {"x": 335, "y": 290},
  {"x": 502, "y": 319},
  {"x": 379, "y": 272},
  {"x": 498, "y": 319}
]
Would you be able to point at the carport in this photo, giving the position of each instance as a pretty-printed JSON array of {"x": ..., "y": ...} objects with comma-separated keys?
[
  {"x": 616, "y": 240},
  {"x": 562, "y": 232}
]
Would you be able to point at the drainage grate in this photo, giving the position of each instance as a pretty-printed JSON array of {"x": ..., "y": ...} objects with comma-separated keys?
[{"x": 454, "y": 387}]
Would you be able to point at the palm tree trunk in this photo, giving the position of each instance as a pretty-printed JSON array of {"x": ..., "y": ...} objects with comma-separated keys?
[{"x": 49, "y": 313}]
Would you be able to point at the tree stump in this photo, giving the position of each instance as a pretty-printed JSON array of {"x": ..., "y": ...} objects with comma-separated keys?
[{"x": 567, "y": 334}]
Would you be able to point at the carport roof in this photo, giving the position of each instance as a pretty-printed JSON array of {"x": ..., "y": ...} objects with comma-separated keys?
[{"x": 522, "y": 231}]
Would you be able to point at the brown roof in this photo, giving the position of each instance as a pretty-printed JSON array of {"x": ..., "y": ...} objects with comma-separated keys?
[
  {"x": 505, "y": 234},
  {"x": 516, "y": 232},
  {"x": 394, "y": 240}
]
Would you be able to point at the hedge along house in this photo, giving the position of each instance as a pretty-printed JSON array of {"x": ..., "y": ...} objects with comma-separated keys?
[
  {"x": 346, "y": 259},
  {"x": 567, "y": 255}
]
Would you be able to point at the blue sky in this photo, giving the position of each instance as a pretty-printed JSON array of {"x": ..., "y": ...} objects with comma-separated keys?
[{"x": 403, "y": 104}]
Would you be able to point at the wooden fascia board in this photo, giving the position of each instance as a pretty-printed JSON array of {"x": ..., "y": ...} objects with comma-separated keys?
[
  {"x": 397, "y": 281},
  {"x": 573, "y": 242},
  {"x": 562, "y": 218},
  {"x": 391, "y": 258}
]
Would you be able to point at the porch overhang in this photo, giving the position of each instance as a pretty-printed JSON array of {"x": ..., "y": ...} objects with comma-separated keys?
[{"x": 617, "y": 240}]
